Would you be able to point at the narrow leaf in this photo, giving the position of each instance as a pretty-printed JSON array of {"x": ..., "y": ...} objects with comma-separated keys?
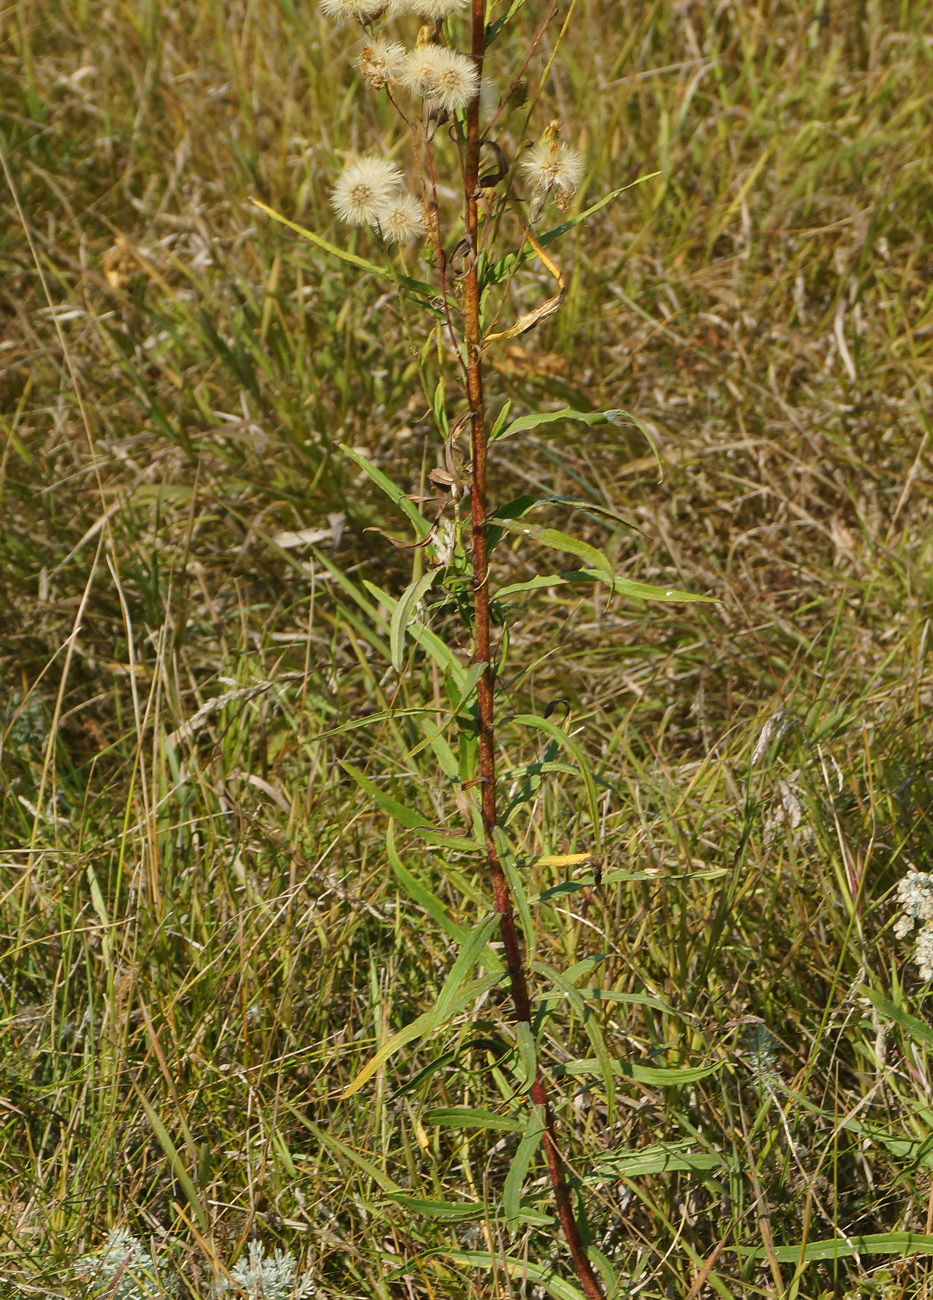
[
  {"x": 910, "y": 1024},
  {"x": 176, "y": 1163},
  {"x": 516, "y": 887},
  {"x": 464, "y": 1117},
  {"x": 515, "y": 1179},
  {"x": 425, "y": 1024},
  {"x": 541, "y": 1274},
  {"x": 659, "y": 1158},
  {"x": 525, "y": 422},
  {"x": 668, "y": 1076},
  {"x": 568, "y": 742},
  {"x": 527, "y": 1053},
  {"x": 593, "y": 1032},
  {"x": 445, "y": 1211},
  {"x": 507, "y": 264},
  {"x": 421, "y": 895},
  {"x": 391, "y": 490},
  {"x": 383, "y": 272},
  {"x": 408, "y": 602},
  {"x": 812, "y": 1252},
  {"x": 463, "y": 966},
  {"x": 407, "y": 816},
  {"x": 340, "y": 1149}
]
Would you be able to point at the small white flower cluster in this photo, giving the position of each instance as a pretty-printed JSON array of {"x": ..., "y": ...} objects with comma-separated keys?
[
  {"x": 126, "y": 1269},
  {"x": 268, "y": 1277},
  {"x": 915, "y": 895}
]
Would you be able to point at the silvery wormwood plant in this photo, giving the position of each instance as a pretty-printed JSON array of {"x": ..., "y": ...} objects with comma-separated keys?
[
  {"x": 123, "y": 1269},
  {"x": 437, "y": 63}
]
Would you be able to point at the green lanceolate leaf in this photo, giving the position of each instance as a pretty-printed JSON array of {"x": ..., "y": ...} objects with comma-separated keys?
[
  {"x": 910, "y": 1024},
  {"x": 465, "y": 1117},
  {"x": 462, "y": 968},
  {"x": 526, "y": 422},
  {"x": 428, "y": 640},
  {"x": 420, "y": 894},
  {"x": 424, "y": 1025},
  {"x": 660, "y": 1158},
  {"x": 392, "y": 490},
  {"x": 445, "y": 1211},
  {"x": 876, "y": 1243},
  {"x": 383, "y": 272},
  {"x": 515, "y": 1179},
  {"x": 553, "y": 537},
  {"x": 501, "y": 269},
  {"x": 493, "y": 30},
  {"x": 516, "y": 887},
  {"x": 408, "y": 817},
  {"x": 500, "y": 420},
  {"x": 407, "y": 603},
  {"x": 666, "y": 1076},
  {"x": 624, "y": 587},
  {"x": 527, "y": 1054},
  {"x": 597, "y": 570},
  {"x": 593, "y": 1031},
  {"x": 341, "y": 1151},
  {"x": 176, "y": 1163},
  {"x": 540, "y": 1274},
  {"x": 568, "y": 742}
]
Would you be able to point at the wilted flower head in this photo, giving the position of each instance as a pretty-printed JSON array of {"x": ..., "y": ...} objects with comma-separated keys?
[
  {"x": 435, "y": 10},
  {"x": 445, "y": 77},
  {"x": 363, "y": 189},
  {"x": 381, "y": 62},
  {"x": 400, "y": 220},
  {"x": 553, "y": 168},
  {"x": 349, "y": 9}
]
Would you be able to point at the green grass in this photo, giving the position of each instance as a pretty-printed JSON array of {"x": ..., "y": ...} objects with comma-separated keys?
[{"x": 204, "y": 939}]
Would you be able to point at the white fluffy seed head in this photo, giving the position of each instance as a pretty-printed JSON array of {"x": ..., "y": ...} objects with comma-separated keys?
[
  {"x": 381, "y": 62},
  {"x": 400, "y": 219},
  {"x": 552, "y": 165},
  {"x": 445, "y": 77},
  {"x": 436, "y": 10},
  {"x": 363, "y": 189},
  {"x": 347, "y": 10}
]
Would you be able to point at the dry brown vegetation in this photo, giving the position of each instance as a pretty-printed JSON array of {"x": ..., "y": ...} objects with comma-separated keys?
[{"x": 207, "y": 930}]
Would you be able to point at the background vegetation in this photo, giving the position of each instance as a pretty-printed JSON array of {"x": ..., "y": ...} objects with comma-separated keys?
[{"x": 203, "y": 938}]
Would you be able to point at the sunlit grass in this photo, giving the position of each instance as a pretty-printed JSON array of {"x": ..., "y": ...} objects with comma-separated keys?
[{"x": 204, "y": 940}]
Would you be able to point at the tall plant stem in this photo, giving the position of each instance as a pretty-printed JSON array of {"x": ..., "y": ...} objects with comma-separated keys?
[{"x": 487, "y": 754}]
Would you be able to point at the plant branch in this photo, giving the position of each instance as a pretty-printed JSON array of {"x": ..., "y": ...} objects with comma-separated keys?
[{"x": 486, "y": 688}]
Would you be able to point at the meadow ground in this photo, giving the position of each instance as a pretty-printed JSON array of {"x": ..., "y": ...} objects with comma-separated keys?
[{"x": 203, "y": 936}]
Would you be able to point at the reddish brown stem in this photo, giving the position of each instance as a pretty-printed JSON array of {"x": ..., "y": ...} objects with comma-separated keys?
[{"x": 487, "y": 754}]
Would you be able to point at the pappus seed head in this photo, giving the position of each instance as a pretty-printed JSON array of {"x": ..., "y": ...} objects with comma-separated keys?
[
  {"x": 445, "y": 77},
  {"x": 362, "y": 10},
  {"x": 400, "y": 219},
  {"x": 363, "y": 188},
  {"x": 381, "y": 62},
  {"x": 436, "y": 10}
]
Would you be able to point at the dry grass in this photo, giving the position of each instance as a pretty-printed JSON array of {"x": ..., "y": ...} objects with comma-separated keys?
[{"x": 208, "y": 931}]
